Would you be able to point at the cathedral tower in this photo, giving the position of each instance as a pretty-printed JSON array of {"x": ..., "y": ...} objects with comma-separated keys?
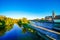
[{"x": 53, "y": 15}]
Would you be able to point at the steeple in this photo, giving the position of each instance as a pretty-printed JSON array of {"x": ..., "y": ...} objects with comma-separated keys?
[{"x": 53, "y": 14}]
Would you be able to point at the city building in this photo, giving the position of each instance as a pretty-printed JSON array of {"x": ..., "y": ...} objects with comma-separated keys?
[{"x": 53, "y": 17}]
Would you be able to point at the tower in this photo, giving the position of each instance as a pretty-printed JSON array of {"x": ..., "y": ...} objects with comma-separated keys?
[{"x": 53, "y": 15}]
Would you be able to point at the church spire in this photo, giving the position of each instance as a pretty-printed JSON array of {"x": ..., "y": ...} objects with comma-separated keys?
[{"x": 53, "y": 14}]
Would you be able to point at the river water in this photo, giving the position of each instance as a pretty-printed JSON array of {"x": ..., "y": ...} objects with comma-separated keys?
[{"x": 16, "y": 33}]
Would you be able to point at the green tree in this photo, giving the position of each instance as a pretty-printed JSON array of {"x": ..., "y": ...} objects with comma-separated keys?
[
  {"x": 2, "y": 24},
  {"x": 20, "y": 23}
]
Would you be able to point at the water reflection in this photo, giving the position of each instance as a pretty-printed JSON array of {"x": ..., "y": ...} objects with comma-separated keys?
[
  {"x": 18, "y": 33},
  {"x": 2, "y": 32},
  {"x": 5, "y": 29},
  {"x": 8, "y": 27}
]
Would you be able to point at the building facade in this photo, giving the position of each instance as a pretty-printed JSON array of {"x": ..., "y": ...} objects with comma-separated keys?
[{"x": 53, "y": 17}]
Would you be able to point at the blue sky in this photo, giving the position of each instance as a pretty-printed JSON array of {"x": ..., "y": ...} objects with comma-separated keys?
[{"x": 29, "y": 8}]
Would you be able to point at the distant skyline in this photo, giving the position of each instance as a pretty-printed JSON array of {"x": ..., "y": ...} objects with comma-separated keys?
[{"x": 30, "y": 9}]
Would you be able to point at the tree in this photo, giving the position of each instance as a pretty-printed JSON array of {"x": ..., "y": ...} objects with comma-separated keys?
[
  {"x": 2, "y": 24},
  {"x": 20, "y": 23},
  {"x": 24, "y": 20}
]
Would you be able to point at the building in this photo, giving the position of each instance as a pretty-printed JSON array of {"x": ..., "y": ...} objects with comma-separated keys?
[
  {"x": 48, "y": 18},
  {"x": 57, "y": 17},
  {"x": 53, "y": 17}
]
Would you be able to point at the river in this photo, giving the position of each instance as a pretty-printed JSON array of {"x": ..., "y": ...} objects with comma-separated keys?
[{"x": 16, "y": 33}]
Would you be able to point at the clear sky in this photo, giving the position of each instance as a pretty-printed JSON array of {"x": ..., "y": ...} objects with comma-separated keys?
[{"x": 29, "y": 8}]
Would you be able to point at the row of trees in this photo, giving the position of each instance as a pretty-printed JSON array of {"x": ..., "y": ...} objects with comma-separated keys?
[
  {"x": 22, "y": 21},
  {"x": 5, "y": 24},
  {"x": 9, "y": 22}
]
